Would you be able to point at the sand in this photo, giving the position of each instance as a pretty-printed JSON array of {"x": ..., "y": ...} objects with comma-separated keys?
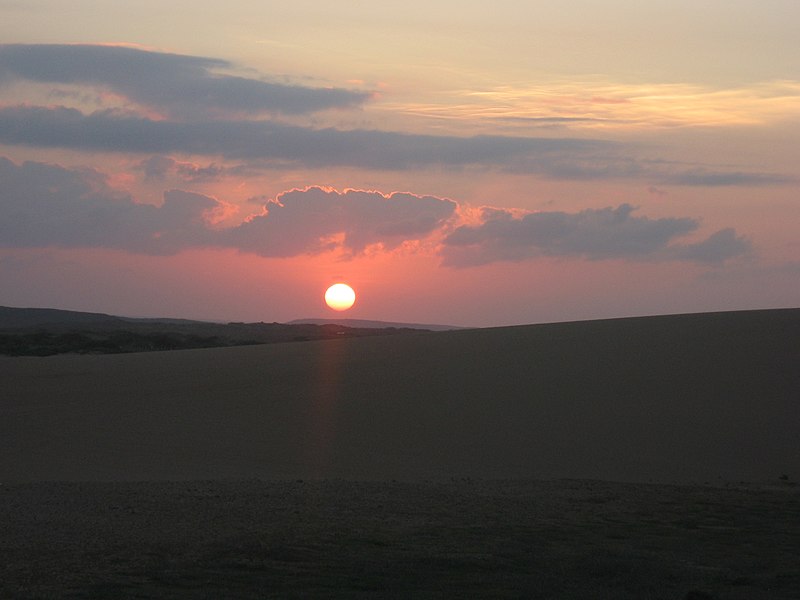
[
  {"x": 636, "y": 458},
  {"x": 684, "y": 399},
  {"x": 464, "y": 539}
]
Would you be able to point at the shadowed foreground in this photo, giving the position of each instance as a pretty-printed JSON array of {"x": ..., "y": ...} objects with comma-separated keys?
[
  {"x": 671, "y": 399},
  {"x": 534, "y": 539},
  {"x": 681, "y": 399}
]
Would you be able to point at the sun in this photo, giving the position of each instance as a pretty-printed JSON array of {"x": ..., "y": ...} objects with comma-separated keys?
[{"x": 340, "y": 296}]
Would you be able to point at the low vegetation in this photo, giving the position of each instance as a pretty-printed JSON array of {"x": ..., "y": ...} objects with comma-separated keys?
[{"x": 47, "y": 343}]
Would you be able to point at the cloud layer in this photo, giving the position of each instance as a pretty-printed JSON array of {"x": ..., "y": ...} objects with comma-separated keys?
[
  {"x": 194, "y": 106},
  {"x": 607, "y": 233},
  {"x": 274, "y": 144},
  {"x": 49, "y": 205},
  {"x": 173, "y": 84},
  {"x": 62, "y": 127}
]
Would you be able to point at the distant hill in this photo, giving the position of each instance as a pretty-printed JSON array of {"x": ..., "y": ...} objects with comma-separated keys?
[
  {"x": 47, "y": 331},
  {"x": 12, "y": 318},
  {"x": 362, "y": 323}
]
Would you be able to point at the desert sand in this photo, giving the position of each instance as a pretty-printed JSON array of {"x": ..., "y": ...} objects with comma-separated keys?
[
  {"x": 463, "y": 539},
  {"x": 634, "y": 458},
  {"x": 689, "y": 398}
]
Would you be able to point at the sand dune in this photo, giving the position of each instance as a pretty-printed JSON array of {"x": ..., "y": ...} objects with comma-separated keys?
[{"x": 674, "y": 398}]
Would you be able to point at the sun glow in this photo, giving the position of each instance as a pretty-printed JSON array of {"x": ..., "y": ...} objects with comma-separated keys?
[{"x": 340, "y": 296}]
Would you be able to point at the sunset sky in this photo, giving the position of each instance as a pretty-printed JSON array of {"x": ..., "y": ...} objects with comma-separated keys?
[{"x": 456, "y": 162}]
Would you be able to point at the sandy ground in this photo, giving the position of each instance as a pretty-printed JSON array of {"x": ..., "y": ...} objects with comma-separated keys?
[
  {"x": 690, "y": 398},
  {"x": 502, "y": 539},
  {"x": 479, "y": 428}
]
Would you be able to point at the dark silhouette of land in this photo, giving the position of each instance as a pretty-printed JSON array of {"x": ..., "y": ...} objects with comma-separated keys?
[
  {"x": 672, "y": 398},
  {"x": 45, "y": 332},
  {"x": 571, "y": 460},
  {"x": 359, "y": 323}
]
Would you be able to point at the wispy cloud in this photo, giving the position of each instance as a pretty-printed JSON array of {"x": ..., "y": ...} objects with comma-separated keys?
[
  {"x": 159, "y": 167},
  {"x": 610, "y": 166},
  {"x": 605, "y": 106},
  {"x": 702, "y": 176}
]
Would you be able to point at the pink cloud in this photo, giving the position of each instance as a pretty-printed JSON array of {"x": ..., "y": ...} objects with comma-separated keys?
[{"x": 49, "y": 205}]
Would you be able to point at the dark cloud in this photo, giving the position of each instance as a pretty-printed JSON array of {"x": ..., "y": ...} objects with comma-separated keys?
[
  {"x": 278, "y": 144},
  {"x": 266, "y": 140},
  {"x": 157, "y": 167},
  {"x": 711, "y": 178},
  {"x": 315, "y": 220},
  {"x": 160, "y": 167},
  {"x": 179, "y": 85},
  {"x": 717, "y": 248},
  {"x": 592, "y": 234},
  {"x": 589, "y": 166},
  {"x": 48, "y": 205},
  {"x": 205, "y": 111}
]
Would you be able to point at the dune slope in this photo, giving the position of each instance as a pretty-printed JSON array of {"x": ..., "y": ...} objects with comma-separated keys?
[{"x": 673, "y": 398}]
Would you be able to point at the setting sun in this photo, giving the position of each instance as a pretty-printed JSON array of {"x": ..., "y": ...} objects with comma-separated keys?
[{"x": 340, "y": 296}]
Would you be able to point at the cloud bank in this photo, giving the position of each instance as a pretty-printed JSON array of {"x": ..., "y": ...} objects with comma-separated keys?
[
  {"x": 172, "y": 84},
  {"x": 110, "y": 131},
  {"x": 594, "y": 234},
  {"x": 316, "y": 220},
  {"x": 275, "y": 144},
  {"x": 48, "y": 205},
  {"x": 194, "y": 106}
]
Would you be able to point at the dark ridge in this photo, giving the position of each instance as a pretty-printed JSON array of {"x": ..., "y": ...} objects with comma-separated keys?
[
  {"x": 45, "y": 332},
  {"x": 12, "y": 318},
  {"x": 364, "y": 323}
]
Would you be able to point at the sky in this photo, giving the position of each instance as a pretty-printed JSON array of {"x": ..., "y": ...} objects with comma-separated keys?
[{"x": 466, "y": 163}]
